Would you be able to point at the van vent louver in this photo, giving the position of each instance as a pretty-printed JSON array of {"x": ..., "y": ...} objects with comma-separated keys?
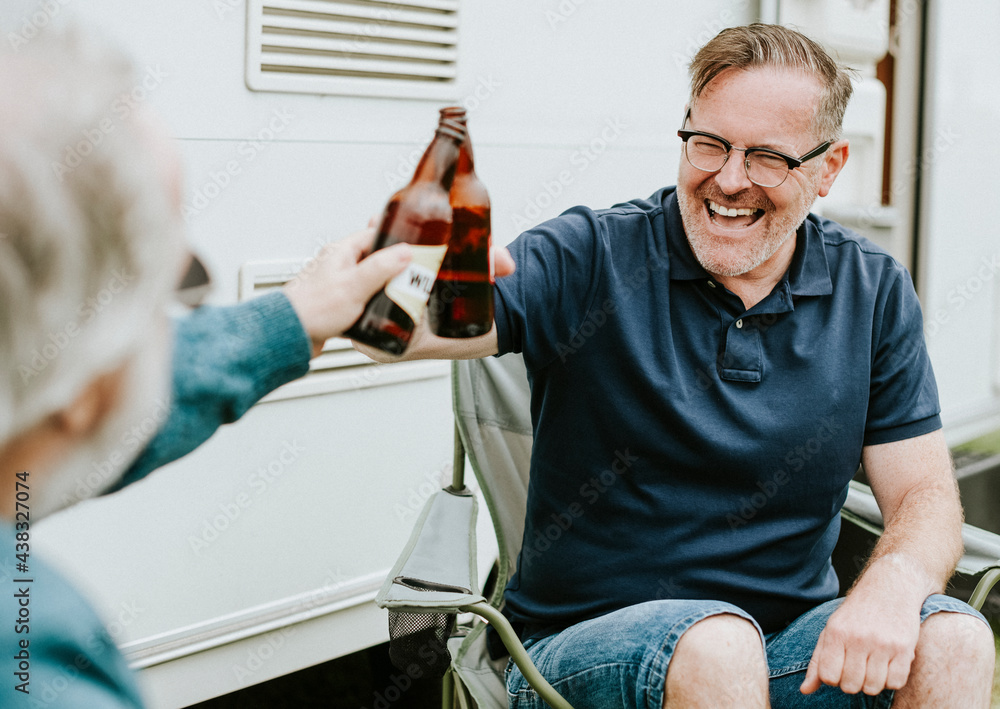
[{"x": 404, "y": 49}]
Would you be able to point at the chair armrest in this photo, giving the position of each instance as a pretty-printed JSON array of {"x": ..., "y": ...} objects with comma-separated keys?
[{"x": 437, "y": 568}]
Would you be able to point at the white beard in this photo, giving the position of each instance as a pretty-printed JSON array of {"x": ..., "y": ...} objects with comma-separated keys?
[
  {"x": 720, "y": 261},
  {"x": 95, "y": 465}
]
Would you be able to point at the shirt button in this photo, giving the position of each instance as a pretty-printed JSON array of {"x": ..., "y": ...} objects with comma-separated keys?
[
  {"x": 711, "y": 285},
  {"x": 739, "y": 324}
]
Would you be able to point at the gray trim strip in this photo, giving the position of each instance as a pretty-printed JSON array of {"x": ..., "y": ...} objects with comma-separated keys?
[{"x": 181, "y": 642}]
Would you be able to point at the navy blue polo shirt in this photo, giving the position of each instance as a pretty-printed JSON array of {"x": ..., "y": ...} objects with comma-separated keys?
[{"x": 686, "y": 447}]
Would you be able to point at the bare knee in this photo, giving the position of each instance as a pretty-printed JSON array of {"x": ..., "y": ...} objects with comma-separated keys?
[
  {"x": 956, "y": 638},
  {"x": 719, "y": 639},
  {"x": 718, "y": 662},
  {"x": 953, "y": 664}
]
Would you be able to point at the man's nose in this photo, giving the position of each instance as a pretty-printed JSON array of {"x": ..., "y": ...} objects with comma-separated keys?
[{"x": 732, "y": 178}]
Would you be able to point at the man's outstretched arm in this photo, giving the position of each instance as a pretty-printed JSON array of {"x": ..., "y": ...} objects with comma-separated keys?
[{"x": 227, "y": 358}]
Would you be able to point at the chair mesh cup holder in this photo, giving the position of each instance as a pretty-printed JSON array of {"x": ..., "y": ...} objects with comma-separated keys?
[{"x": 421, "y": 639}]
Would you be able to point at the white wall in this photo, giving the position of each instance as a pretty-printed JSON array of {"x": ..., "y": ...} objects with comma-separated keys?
[{"x": 960, "y": 259}]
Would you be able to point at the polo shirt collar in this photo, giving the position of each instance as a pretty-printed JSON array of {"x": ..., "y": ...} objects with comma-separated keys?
[{"x": 808, "y": 274}]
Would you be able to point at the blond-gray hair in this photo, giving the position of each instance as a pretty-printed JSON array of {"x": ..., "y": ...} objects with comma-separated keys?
[
  {"x": 89, "y": 237},
  {"x": 773, "y": 46}
]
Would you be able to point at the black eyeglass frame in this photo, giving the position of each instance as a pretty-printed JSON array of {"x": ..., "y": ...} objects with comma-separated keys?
[
  {"x": 792, "y": 162},
  {"x": 194, "y": 285}
]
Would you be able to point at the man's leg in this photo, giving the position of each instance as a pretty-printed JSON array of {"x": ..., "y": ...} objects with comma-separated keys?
[
  {"x": 718, "y": 664},
  {"x": 953, "y": 667},
  {"x": 621, "y": 660}
]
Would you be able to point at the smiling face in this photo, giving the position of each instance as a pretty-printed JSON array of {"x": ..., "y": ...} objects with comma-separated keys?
[{"x": 735, "y": 227}]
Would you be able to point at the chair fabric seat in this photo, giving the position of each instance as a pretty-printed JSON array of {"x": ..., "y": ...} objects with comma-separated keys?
[{"x": 482, "y": 677}]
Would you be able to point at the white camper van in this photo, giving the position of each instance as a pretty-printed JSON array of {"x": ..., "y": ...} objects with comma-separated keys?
[{"x": 260, "y": 553}]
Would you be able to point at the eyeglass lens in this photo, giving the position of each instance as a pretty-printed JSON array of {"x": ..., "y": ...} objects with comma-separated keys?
[{"x": 710, "y": 155}]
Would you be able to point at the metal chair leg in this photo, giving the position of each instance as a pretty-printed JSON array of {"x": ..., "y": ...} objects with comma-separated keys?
[
  {"x": 448, "y": 690},
  {"x": 517, "y": 652},
  {"x": 983, "y": 588}
]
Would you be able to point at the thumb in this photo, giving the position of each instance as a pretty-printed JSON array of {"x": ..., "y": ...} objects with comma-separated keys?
[{"x": 378, "y": 268}]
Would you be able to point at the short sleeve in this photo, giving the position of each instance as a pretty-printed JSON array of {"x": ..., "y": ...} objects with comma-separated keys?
[
  {"x": 903, "y": 398},
  {"x": 544, "y": 301}
]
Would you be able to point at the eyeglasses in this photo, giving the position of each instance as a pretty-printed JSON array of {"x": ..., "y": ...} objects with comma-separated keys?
[
  {"x": 195, "y": 284},
  {"x": 765, "y": 167}
]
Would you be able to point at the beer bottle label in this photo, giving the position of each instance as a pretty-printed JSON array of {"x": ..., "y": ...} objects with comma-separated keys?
[{"x": 411, "y": 289}]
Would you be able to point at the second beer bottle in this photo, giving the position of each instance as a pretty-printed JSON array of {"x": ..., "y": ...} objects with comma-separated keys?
[
  {"x": 419, "y": 214},
  {"x": 461, "y": 304}
]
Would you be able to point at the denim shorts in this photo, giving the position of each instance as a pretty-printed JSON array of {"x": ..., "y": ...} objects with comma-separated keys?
[{"x": 621, "y": 659}]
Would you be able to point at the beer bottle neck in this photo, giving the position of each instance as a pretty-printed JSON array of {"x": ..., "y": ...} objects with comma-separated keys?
[
  {"x": 439, "y": 161},
  {"x": 465, "y": 160}
]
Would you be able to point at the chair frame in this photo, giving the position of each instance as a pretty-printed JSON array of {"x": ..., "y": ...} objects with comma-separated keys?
[{"x": 496, "y": 619}]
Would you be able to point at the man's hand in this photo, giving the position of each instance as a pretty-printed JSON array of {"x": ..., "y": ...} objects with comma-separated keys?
[
  {"x": 868, "y": 643},
  {"x": 426, "y": 345},
  {"x": 329, "y": 293}
]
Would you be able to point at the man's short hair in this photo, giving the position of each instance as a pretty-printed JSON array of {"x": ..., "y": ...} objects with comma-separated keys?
[
  {"x": 89, "y": 238},
  {"x": 773, "y": 46}
]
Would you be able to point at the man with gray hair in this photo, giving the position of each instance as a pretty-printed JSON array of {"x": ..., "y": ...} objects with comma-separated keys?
[
  {"x": 90, "y": 258},
  {"x": 740, "y": 357}
]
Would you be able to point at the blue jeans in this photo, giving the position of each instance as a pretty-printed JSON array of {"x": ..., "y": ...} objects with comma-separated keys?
[{"x": 621, "y": 659}]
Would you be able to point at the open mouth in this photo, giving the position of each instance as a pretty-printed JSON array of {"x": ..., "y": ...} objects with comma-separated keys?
[{"x": 732, "y": 218}]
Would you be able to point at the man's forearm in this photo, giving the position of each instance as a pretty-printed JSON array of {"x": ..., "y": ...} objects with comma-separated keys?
[{"x": 922, "y": 538}]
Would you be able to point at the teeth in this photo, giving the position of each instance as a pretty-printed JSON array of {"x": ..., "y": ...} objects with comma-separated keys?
[{"x": 727, "y": 212}]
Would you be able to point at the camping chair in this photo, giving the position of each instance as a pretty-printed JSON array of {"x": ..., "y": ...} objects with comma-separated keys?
[{"x": 435, "y": 577}]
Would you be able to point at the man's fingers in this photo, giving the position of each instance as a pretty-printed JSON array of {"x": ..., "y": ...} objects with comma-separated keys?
[
  {"x": 811, "y": 683},
  {"x": 875, "y": 674},
  {"x": 357, "y": 245},
  {"x": 503, "y": 263},
  {"x": 376, "y": 269},
  {"x": 826, "y": 665},
  {"x": 852, "y": 674},
  {"x": 898, "y": 672},
  {"x": 374, "y": 353}
]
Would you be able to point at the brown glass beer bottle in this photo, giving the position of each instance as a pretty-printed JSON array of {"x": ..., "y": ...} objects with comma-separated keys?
[
  {"x": 419, "y": 214},
  {"x": 461, "y": 303}
]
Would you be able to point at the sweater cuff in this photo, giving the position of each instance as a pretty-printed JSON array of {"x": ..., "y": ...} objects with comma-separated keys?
[{"x": 275, "y": 340}]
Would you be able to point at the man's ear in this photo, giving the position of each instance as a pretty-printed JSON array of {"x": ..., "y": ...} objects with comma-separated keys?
[
  {"x": 92, "y": 405},
  {"x": 833, "y": 162}
]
